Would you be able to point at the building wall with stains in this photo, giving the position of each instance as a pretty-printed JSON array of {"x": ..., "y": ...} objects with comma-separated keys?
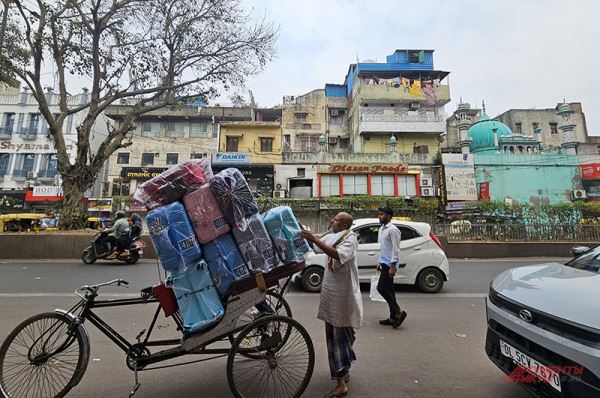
[{"x": 544, "y": 178}]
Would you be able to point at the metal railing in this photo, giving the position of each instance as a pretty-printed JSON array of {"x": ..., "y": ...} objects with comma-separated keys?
[{"x": 519, "y": 232}]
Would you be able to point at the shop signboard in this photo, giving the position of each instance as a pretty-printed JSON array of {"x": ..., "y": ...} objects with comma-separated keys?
[
  {"x": 590, "y": 171},
  {"x": 141, "y": 173},
  {"x": 237, "y": 158},
  {"x": 373, "y": 168},
  {"x": 459, "y": 172}
]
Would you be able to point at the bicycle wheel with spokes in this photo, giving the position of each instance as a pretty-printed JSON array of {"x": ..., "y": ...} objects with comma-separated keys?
[
  {"x": 272, "y": 357},
  {"x": 45, "y": 356}
]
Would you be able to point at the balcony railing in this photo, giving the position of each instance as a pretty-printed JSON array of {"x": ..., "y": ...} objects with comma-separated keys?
[
  {"x": 20, "y": 174},
  {"x": 372, "y": 92},
  {"x": 47, "y": 174},
  {"x": 28, "y": 133},
  {"x": 401, "y": 118},
  {"x": 303, "y": 126}
]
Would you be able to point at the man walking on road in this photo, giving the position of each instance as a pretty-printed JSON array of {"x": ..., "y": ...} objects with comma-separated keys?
[
  {"x": 389, "y": 242},
  {"x": 341, "y": 302}
]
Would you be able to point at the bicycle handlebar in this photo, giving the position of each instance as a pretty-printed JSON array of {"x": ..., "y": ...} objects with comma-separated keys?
[{"x": 94, "y": 288}]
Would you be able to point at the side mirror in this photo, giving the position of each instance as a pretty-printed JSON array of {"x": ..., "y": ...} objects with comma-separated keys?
[{"x": 579, "y": 250}]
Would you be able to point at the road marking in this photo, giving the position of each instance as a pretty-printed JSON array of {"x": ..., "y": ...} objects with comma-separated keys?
[{"x": 306, "y": 295}]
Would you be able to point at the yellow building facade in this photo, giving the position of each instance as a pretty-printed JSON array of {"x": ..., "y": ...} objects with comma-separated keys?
[{"x": 260, "y": 140}]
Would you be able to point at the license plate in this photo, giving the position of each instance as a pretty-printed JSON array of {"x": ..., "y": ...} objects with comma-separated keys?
[{"x": 550, "y": 376}]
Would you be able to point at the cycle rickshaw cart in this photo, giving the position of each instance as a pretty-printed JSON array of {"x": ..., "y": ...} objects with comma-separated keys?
[{"x": 270, "y": 354}]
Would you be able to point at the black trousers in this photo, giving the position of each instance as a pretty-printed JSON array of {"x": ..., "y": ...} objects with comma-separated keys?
[{"x": 385, "y": 287}]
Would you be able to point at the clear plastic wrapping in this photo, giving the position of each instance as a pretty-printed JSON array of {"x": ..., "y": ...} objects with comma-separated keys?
[
  {"x": 255, "y": 244},
  {"x": 173, "y": 237},
  {"x": 285, "y": 232},
  {"x": 170, "y": 185},
  {"x": 234, "y": 196},
  {"x": 205, "y": 214},
  {"x": 197, "y": 297},
  {"x": 225, "y": 262}
]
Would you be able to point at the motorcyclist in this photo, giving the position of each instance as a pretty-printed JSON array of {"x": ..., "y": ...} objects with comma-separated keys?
[
  {"x": 116, "y": 231},
  {"x": 132, "y": 233}
]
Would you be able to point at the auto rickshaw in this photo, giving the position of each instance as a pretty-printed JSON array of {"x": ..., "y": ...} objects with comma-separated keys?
[{"x": 21, "y": 222}]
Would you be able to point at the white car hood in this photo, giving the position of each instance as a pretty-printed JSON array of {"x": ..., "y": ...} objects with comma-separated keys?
[{"x": 565, "y": 292}]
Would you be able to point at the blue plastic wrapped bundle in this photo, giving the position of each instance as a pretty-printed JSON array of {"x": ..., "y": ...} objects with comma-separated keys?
[
  {"x": 225, "y": 262},
  {"x": 285, "y": 232},
  {"x": 234, "y": 196},
  {"x": 197, "y": 297},
  {"x": 173, "y": 237},
  {"x": 255, "y": 245}
]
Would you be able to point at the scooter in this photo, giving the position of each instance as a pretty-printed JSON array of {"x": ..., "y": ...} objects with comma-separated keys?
[{"x": 97, "y": 250}]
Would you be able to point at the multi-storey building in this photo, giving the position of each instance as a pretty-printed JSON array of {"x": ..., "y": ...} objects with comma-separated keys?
[
  {"x": 525, "y": 122},
  {"x": 253, "y": 147},
  {"x": 163, "y": 138},
  {"x": 376, "y": 134},
  {"x": 28, "y": 160}
]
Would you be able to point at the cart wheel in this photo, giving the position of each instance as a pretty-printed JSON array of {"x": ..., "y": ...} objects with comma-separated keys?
[
  {"x": 44, "y": 356},
  {"x": 277, "y": 305},
  {"x": 264, "y": 363}
]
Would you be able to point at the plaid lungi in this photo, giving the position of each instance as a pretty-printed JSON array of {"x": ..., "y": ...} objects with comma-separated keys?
[{"x": 339, "y": 349}]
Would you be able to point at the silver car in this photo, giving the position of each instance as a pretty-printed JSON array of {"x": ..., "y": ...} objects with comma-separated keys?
[
  {"x": 544, "y": 326},
  {"x": 422, "y": 259}
]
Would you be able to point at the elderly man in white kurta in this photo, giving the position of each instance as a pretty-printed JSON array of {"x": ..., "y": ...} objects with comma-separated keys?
[{"x": 341, "y": 303}]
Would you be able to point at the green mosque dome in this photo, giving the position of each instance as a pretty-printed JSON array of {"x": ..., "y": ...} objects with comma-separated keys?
[{"x": 482, "y": 133}]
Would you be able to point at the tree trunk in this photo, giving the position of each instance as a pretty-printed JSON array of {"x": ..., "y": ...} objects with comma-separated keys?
[{"x": 72, "y": 215}]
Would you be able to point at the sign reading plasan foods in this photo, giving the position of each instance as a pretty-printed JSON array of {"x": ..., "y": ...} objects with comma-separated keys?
[{"x": 374, "y": 168}]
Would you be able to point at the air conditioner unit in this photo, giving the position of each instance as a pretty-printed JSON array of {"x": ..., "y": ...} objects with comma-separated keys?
[
  {"x": 30, "y": 174},
  {"x": 578, "y": 194},
  {"x": 427, "y": 192},
  {"x": 279, "y": 194},
  {"x": 333, "y": 140},
  {"x": 426, "y": 182},
  {"x": 415, "y": 105},
  {"x": 334, "y": 112}
]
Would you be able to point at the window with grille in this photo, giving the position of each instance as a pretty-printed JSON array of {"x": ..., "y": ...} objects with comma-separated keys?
[
  {"x": 8, "y": 125},
  {"x": 122, "y": 158},
  {"x": 151, "y": 129},
  {"x": 175, "y": 130},
  {"x": 266, "y": 144},
  {"x": 330, "y": 185},
  {"x": 355, "y": 184},
  {"x": 147, "y": 159},
  {"x": 4, "y": 161},
  {"x": 201, "y": 130},
  {"x": 172, "y": 158},
  {"x": 553, "y": 128},
  {"x": 232, "y": 144}
]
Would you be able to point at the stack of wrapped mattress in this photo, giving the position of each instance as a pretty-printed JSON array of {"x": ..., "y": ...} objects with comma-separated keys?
[
  {"x": 208, "y": 234},
  {"x": 205, "y": 214},
  {"x": 283, "y": 227},
  {"x": 170, "y": 185}
]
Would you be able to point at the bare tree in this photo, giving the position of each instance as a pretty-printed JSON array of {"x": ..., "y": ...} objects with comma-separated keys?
[{"x": 152, "y": 53}]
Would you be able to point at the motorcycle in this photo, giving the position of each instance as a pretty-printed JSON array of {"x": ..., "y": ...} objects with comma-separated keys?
[{"x": 98, "y": 250}]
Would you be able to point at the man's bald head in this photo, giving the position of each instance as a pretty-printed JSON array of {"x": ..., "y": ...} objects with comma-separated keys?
[{"x": 341, "y": 221}]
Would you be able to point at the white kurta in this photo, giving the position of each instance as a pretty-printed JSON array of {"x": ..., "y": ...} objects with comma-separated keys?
[{"x": 341, "y": 301}]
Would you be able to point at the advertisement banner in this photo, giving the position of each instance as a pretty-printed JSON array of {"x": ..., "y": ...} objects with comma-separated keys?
[
  {"x": 484, "y": 191},
  {"x": 590, "y": 171},
  {"x": 460, "y": 176},
  {"x": 231, "y": 158}
]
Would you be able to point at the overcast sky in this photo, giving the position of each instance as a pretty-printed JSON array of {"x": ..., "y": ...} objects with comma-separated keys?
[{"x": 511, "y": 53}]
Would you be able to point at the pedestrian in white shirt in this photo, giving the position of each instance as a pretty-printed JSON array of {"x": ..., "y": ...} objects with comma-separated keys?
[
  {"x": 341, "y": 305},
  {"x": 389, "y": 243}
]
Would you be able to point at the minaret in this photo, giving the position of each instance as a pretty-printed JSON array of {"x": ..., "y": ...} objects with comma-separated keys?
[
  {"x": 464, "y": 122},
  {"x": 567, "y": 126}
]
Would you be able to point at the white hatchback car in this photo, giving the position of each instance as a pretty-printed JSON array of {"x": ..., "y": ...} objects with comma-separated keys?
[{"x": 422, "y": 259}]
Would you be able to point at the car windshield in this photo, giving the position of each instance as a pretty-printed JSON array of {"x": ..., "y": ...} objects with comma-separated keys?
[{"x": 589, "y": 261}]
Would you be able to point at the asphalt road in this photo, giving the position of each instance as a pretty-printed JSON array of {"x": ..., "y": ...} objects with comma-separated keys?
[{"x": 439, "y": 351}]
